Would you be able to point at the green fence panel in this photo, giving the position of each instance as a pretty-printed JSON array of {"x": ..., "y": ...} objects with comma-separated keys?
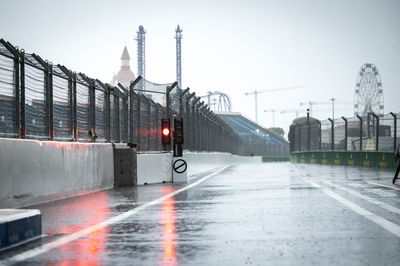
[{"x": 365, "y": 159}]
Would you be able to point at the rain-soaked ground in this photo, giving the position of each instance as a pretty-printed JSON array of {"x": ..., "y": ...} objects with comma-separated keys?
[{"x": 256, "y": 214}]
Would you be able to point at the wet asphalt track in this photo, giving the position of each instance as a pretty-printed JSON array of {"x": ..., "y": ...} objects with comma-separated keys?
[{"x": 254, "y": 214}]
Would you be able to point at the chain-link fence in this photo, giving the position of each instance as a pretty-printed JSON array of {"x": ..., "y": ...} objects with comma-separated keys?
[
  {"x": 39, "y": 100},
  {"x": 369, "y": 133}
]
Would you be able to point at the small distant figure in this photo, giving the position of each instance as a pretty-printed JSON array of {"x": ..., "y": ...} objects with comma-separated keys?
[
  {"x": 396, "y": 158},
  {"x": 93, "y": 135}
]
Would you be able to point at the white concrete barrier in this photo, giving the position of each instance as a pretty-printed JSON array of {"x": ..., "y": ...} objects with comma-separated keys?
[
  {"x": 34, "y": 171},
  {"x": 200, "y": 162},
  {"x": 156, "y": 168}
]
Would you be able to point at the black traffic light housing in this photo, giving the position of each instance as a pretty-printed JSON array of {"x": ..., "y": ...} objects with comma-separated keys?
[
  {"x": 178, "y": 131},
  {"x": 165, "y": 131}
]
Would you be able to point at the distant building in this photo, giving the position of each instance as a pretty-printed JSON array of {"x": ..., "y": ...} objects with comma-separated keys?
[{"x": 125, "y": 74}]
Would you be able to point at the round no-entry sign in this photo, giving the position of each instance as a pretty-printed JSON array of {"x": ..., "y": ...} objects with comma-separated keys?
[{"x": 180, "y": 166}]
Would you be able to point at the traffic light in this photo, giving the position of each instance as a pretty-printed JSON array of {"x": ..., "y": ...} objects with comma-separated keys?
[
  {"x": 178, "y": 131},
  {"x": 165, "y": 131}
]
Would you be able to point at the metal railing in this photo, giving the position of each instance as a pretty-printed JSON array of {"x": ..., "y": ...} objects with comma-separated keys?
[
  {"x": 39, "y": 100},
  {"x": 369, "y": 133}
]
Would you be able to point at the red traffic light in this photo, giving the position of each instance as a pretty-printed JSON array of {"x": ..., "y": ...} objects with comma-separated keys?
[{"x": 165, "y": 131}]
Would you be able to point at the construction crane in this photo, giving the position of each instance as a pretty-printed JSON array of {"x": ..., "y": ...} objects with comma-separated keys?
[
  {"x": 273, "y": 115},
  {"x": 282, "y": 111},
  {"x": 331, "y": 101},
  {"x": 256, "y": 92},
  {"x": 292, "y": 111}
]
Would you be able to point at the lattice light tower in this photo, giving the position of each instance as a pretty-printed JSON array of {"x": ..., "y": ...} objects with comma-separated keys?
[
  {"x": 141, "y": 52},
  {"x": 178, "y": 37}
]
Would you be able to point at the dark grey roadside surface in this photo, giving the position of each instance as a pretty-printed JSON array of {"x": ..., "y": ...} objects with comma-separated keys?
[{"x": 256, "y": 214}]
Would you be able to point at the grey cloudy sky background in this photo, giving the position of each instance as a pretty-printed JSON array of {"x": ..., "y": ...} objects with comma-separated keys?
[{"x": 230, "y": 46}]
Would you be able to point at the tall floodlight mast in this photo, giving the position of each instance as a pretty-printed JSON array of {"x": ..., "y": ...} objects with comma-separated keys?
[
  {"x": 178, "y": 37},
  {"x": 141, "y": 54}
]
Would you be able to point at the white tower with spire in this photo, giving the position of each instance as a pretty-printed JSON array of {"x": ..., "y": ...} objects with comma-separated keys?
[{"x": 125, "y": 74}]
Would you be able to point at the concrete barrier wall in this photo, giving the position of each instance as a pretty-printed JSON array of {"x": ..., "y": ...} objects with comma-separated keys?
[
  {"x": 352, "y": 158},
  {"x": 199, "y": 162},
  {"x": 268, "y": 159},
  {"x": 34, "y": 171},
  {"x": 156, "y": 168}
]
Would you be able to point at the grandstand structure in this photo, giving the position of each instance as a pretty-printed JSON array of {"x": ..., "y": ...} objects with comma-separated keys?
[{"x": 255, "y": 139}]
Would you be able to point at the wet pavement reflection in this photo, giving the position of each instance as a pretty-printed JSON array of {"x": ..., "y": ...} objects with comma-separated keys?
[
  {"x": 255, "y": 214},
  {"x": 169, "y": 234}
]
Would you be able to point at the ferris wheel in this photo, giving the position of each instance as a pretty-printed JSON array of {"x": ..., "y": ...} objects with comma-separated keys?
[{"x": 368, "y": 95}]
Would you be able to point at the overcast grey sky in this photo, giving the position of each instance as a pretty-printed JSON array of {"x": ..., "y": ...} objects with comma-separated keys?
[{"x": 230, "y": 46}]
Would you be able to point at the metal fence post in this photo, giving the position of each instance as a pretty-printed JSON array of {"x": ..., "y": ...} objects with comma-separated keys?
[
  {"x": 116, "y": 107},
  {"x": 361, "y": 124},
  {"x": 22, "y": 92},
  {"x": 168, "y": 100},
  {"x": 71, "y": 105},
  {"x": 138, "y": 121},
  {"x": 299, "y": 145},
  {"x": 74, "y": 108},
  {"x": 308, "y": 131},
  {"x": 182, "y": 94},
  {"x": 320, "y": 135},
  {"x": 377, "y": 132},
  {"x": 394, "y": 131},
  {"x": 148, "y": 142},
  {"x": 332, "y": 134},
  {"x": 345, "y": 133},
  {"x": 131, "y": 129}
]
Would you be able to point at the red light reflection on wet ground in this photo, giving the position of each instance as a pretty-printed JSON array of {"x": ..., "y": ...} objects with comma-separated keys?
[
  {"x": 87, "y": 250},
  {"x": 168, "y": 217}
]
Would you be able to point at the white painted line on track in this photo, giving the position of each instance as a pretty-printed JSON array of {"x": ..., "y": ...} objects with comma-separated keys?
[
  {"x": 389, "y": 226},
  {"x": 64, "y": 240},
  {"x": 365, "y": 197},
  {"x": 382, "y": 185},
  {"x": 312, "y": 183},
  {"x": 381, "y": 192}
]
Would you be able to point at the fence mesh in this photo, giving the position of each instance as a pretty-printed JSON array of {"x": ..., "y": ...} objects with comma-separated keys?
[
  {"x": 369, "y": 133},
  {"x": 8, "y": 96},
  {"x": 35, "y": 102},
  {"x": 123, "y": 117},
  {"x": 62, "y": 122},
  {"x": 114, "y": 116},
  {"x": 339, "y": 134},
  {"x": 82, "y": 109},
  {"x": 42, "y": 101},
  {"x": 143, "y": 123},
  {"x": 100, "y": 113}
]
